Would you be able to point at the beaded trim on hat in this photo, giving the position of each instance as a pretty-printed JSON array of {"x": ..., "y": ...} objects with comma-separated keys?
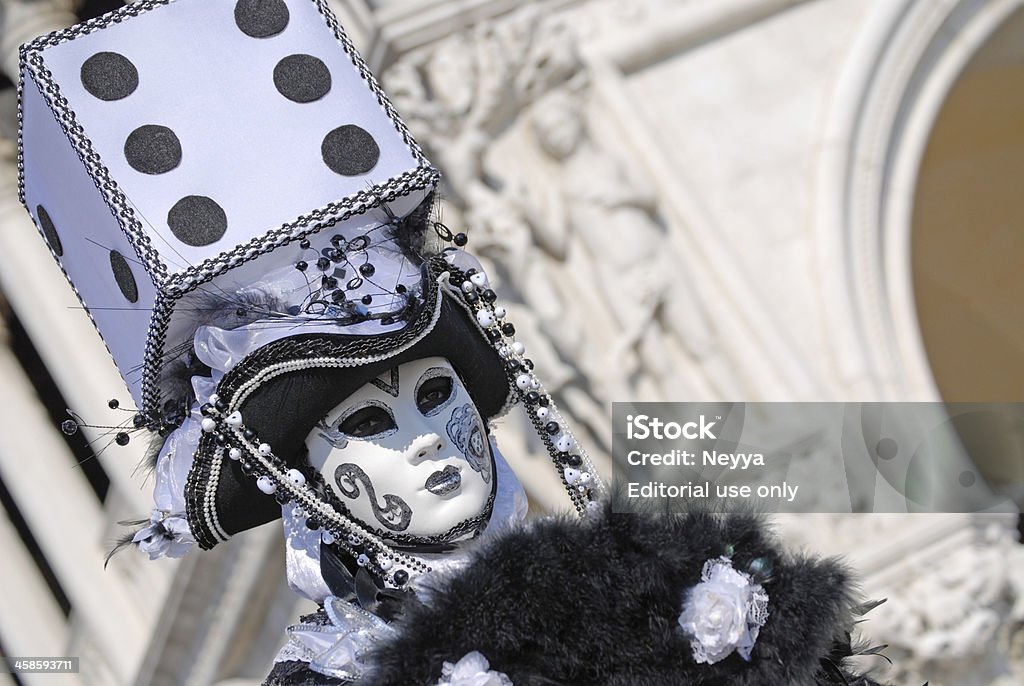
[{"x": 392, "y": 567}]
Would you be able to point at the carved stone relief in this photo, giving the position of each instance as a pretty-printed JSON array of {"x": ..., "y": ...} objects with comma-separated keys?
[
  {"x": 958, "y": 619},
  {"x": 568, "y": 225}
]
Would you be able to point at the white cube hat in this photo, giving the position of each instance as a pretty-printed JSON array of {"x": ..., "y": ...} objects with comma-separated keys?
[{"x": 156, "y": 166}]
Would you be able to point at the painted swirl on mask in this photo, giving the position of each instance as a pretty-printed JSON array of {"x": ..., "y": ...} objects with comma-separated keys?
[
  {"x": 395, "y": 514},
  {"x": 466, "y": 432}
]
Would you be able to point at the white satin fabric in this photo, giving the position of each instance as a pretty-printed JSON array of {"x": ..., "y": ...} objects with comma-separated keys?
[{"x": 337, "y": 648}]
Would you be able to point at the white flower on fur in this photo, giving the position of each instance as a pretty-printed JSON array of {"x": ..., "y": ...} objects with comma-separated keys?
[
  {"x": 723, "y": 613},
  {"x": 472, "y": 670},
  {"x": 166, "y": 536}
]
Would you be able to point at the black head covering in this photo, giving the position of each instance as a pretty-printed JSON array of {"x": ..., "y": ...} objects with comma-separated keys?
[{"x": 284, "y": 406}]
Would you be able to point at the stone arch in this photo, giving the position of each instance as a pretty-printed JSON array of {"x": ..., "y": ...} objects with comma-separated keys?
[{"x": 887, "y": 99}]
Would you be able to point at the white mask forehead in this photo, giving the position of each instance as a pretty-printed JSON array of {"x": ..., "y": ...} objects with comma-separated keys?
[
  {"x": 427, "y": 472},
  {"x": 393, "y": 387}
]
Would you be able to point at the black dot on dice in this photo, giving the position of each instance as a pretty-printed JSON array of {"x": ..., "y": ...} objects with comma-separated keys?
[
  {"x": 109, "y": 76},
  {"x": 153, "y": 149},
  {"x": 302, "y": 78},
  {"x": 124, "y": 277},
  {"x": 261, "y": 18},
  {"x": 49, "y": 231},
  {"x": 350, "y": 151},
  {"x": 197, "y": 220}
]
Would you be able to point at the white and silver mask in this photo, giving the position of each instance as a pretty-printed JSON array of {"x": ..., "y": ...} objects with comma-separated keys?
[{"x": 408, "y": 454}]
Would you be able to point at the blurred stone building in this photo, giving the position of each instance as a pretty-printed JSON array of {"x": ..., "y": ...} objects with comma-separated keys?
[{"x": 682, "y": 199}]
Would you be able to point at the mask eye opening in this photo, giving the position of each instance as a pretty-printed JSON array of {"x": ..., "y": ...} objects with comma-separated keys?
[
  {"x": 370, "y": 419},
  {"x": 435, "y": 390}
]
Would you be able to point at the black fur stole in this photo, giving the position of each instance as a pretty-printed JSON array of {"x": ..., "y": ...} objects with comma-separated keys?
[{"x": 596, "y": 601}]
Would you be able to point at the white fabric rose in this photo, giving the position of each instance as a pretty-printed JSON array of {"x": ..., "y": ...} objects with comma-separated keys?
[
  {"x": 723, "y": 613},
  {"x": 472, "y": 670},
  {"x": 166, "y": 536}
]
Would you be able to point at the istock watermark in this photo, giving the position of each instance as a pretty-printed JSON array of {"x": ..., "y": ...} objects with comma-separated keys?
[{"x": 819, "y": 457}]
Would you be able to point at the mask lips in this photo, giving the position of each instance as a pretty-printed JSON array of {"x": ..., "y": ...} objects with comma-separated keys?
[{"x": 443, "y": 481}]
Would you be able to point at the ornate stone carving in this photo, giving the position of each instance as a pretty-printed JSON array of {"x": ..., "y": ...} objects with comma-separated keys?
[
  {"x": 23, "y": 20},
  {"x": 569, "y": 225},
  {"x": 948, "y": 617}
]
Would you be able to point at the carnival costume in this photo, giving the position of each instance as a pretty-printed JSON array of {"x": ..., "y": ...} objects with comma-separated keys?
[{"x": 288, "y": 317}]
